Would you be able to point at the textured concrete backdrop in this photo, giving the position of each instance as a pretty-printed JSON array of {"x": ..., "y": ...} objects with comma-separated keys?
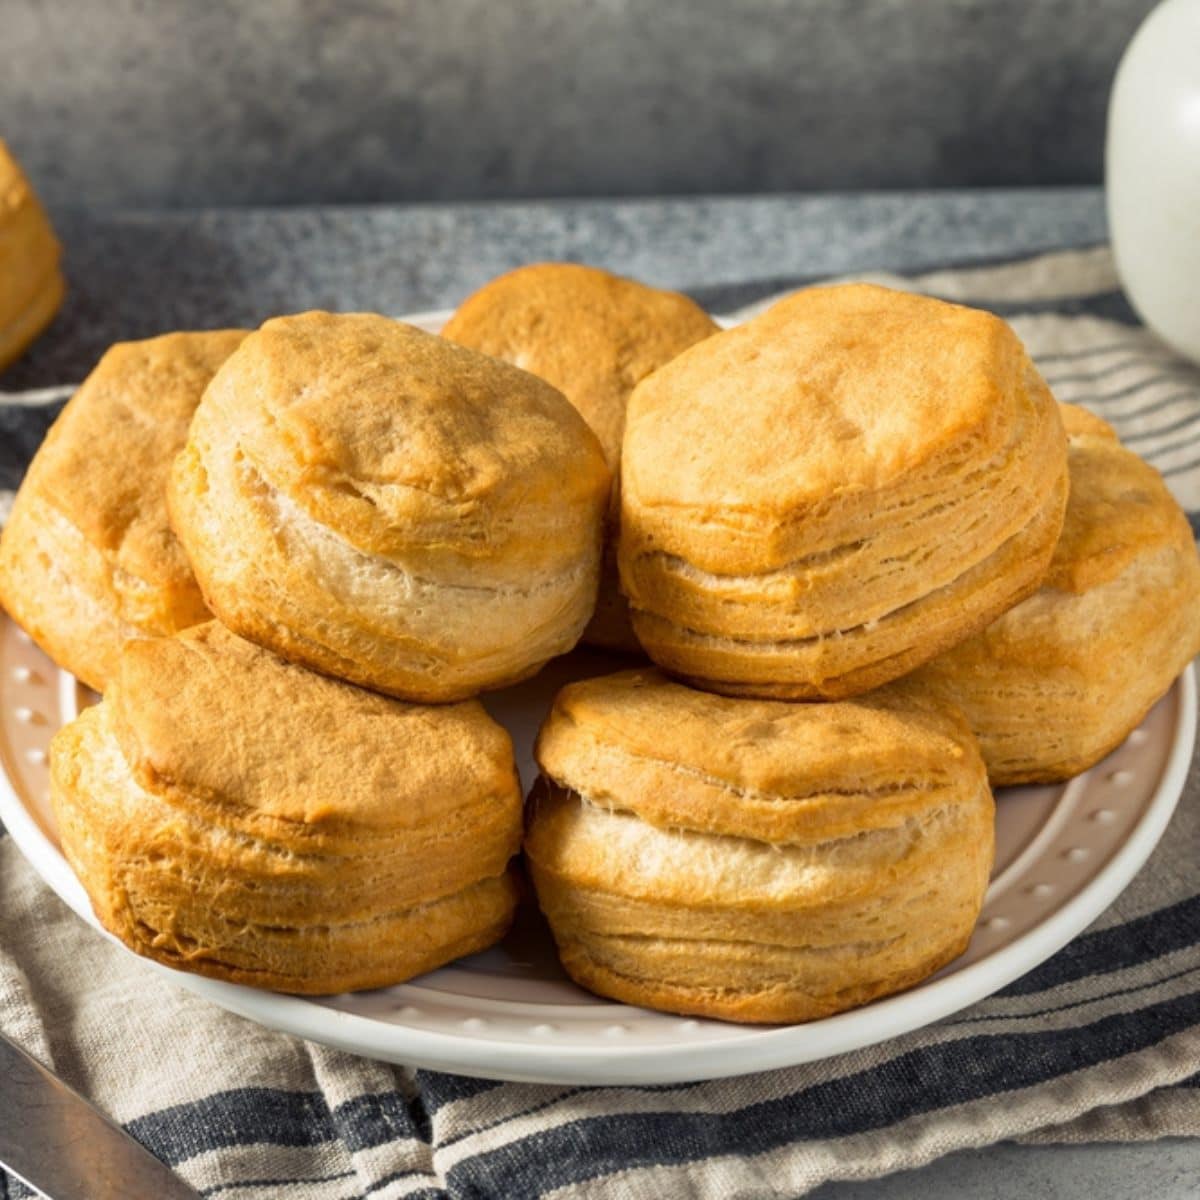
[{"x": 175, "y": 102}]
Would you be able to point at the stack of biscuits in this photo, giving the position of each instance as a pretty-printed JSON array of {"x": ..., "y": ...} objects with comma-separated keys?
[{"x": 860, "y": 566}]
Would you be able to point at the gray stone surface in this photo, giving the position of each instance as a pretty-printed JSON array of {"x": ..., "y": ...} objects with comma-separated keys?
[
  {"x": 1166, "y": 1170},
  {"x": 137, "y": 274},
  {"x": 303, "y": 101}
]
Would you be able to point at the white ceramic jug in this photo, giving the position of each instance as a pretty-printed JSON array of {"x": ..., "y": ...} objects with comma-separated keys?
[{"x": 1152, "y": 172}]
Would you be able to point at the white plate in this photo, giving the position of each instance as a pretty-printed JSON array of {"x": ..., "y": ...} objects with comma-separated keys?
[{"x": 1063, "y": 855}]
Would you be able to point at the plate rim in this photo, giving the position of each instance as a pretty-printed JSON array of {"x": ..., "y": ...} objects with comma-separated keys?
[{"x": 758, "y": 1049}]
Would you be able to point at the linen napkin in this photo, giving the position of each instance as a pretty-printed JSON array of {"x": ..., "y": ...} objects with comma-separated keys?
[{"x": 1102, "y": 1042}]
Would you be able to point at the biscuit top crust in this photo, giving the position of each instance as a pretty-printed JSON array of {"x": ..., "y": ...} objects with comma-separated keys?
[
  {"x": 767, "y": 769},
  {"x": 106, "y": 461},
  {"x": 832, "y": 390},
  {"x": 220, "y": 721},
  {"x": 1118, "y": 510},
  {"x": 394, "y": 437},
  {"x": 592, "y": 334}
]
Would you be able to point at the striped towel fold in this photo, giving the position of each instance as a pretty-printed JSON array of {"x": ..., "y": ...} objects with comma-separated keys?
[{"x": 1102, "y": 1042}]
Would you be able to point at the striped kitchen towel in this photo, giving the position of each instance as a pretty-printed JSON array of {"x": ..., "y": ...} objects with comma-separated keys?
[{"x": 1100, "y": 1042}]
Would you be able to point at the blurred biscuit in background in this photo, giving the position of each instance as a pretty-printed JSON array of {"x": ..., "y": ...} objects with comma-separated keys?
[{"x": 31, "y": 283}]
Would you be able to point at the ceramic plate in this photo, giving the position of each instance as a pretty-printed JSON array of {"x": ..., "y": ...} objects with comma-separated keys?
[{"x": 1063, "y": 854}]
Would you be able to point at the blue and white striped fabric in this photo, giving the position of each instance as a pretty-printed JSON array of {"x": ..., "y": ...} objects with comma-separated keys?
[{"x": 1101, "y": 1042}]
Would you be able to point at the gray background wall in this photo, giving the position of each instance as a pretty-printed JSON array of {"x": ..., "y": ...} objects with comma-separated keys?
[{"x": 186, "y": 102}]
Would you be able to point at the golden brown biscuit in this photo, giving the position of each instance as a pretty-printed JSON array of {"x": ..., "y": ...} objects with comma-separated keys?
[
  {"x": 243, "y": 818},
  {"x": 591, "y": 334},
  {"x": 88, "y": 559},
  {"x": 31, "y": 284},
  {"x": 819, "y": 500},
  {"x": 756, "y": 860},
  {"x": 1061, "y": 679},
  {"x": 594, "y": 336},
  {"x": 387, "y": 507}
]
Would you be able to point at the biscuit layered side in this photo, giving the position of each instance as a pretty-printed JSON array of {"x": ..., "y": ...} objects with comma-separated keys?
[
  {"x": 31, "y": 281},
  {"x": 817, "y": 501},
  {"x": 88, "y": 559},
  {"x": 391, "y": 509},
  {"x": 238, "y": 817},
  {"x": 1061, "y": 679},
  {"x": 752, "y": 860},
  {"x": 595, "y": 336}
]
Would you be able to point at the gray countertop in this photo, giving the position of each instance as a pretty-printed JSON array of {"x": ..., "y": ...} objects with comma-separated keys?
[
  {"x": 136, "y": 273},
  {"x": 132, "y": 274}
]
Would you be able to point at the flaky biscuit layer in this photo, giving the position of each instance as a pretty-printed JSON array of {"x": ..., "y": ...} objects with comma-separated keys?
[
  {"x": 818, "y": 500},
  {"x": 1061, "y": 679},
  {"x": 88, "y": 559},
  {"x": 246, "y": 819},
  {"x": 755, "y": 860},
  {"x": 595, "y": 336},
  {"x": 390, "y": 509}
]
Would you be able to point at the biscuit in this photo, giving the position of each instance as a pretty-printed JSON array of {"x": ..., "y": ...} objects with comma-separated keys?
[
  {"x": 31, "y": 283},
  {"x": 386, "y": 507},
  {"x": 1061, "y": 679},
  {"x": 594, "y": 336},
  {"x": 239, "y": 817},
  {"x": 756, "y": 860},
  {"x": 88, "y": 559},
  {"x": 817, "y": 501}
]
